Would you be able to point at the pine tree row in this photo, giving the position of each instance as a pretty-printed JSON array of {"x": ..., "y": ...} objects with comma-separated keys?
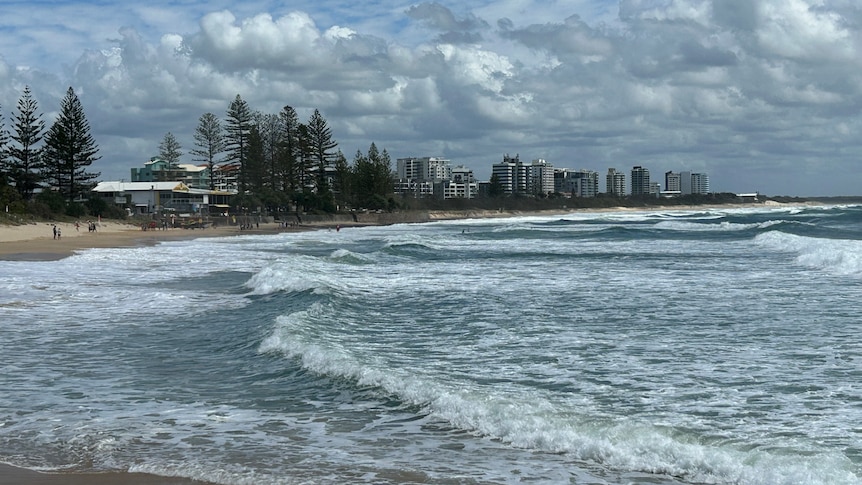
[
  {"x": 53, "y": 160},
  {"x": 280, "y": 161}
]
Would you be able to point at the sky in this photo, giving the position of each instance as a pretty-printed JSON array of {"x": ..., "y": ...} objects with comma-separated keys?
[{"x": 761, "y": 95}]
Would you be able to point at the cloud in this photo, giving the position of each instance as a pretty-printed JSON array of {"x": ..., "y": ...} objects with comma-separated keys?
[
  {"x": 438, "y": 17},
  {"x": 795, "y": 29},
  {"x": 732, "y": 88}
]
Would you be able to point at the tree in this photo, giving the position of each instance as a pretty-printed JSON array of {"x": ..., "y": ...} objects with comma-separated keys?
[
  {"x": 321, "y": 148},
  {"x": 4, "y": 141},
  {"x": 269, "y": 128},
  {"x": 169, "y": 149},
  {"x": 209, "y": 142},
  {"x": 70, "y": 149},
  {"x": 9, "y": 197},
  {"x": 254, "y": 170},
  {"x": 25, "y": 158},
  {"x": 290, "y": 153},
  {"x": 343, "y": 186},
  {"x": 373, "y": 179},
  {"x": 237, "y": 131}
]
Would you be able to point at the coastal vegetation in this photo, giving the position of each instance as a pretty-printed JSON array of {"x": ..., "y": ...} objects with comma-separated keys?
[
  {"x": 45, "y": 172},
  {"x": 279, "y": 162}
]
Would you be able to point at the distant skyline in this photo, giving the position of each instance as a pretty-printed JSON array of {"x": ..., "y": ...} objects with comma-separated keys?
[{"x": 762, "y": 95}]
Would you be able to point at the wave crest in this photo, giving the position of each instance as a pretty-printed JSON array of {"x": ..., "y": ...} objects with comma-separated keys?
[{"x": 838, "y": 256}]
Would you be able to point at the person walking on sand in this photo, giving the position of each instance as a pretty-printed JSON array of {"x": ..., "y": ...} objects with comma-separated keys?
[
  {"x": 55, "y": 230},
  {"x": 58, "y": 233}
]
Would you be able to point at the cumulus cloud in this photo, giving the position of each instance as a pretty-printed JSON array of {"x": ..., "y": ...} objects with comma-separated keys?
[
  {"x": 441, "y": 18},
  {"x": 724, "y": 86}
]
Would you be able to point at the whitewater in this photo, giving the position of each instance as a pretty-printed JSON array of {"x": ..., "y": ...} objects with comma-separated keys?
[{"x": 711, "y": 346}]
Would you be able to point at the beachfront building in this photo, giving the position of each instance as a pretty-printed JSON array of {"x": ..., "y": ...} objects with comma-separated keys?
[
  {"x": 512, "y": 175},
  {"x": 694, "y": 183},
  {"x": 461, "y": 185},
  {"x": 672, "y": 181},
  {"x": 423, "y": 168},
  {"x": 157, "y": 197},
  {"x": 434, "y": 177},
  {"x": 699, "y": 183},
  {"x": 159, "y": 170},
  {"x": 541, "y": 179},
  {"x": 615, "y": 183},
  {"x": 414, "y": 188},
  {"x": 417, "y": 176},
  {"x": 576, "y": 183},
  {"x": 640, "y": 181},
  {"x": 226, "y": 177}
]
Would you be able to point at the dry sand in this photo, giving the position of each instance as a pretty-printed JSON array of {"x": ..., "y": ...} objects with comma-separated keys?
[{"x": 35, "y": 242}]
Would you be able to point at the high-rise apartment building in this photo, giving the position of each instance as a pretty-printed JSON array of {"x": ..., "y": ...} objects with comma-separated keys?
[
  {"x": 423, "y": 168},
  {"x": 541, "y": 177},
  {"x": 694, "y": 183},
  {"x": 672, "y": 181},
  {"x": 640, "y": 181},
  {"x": 462, "y": 185},
  {"x": 512, "y": 175},
  {"x": 615, "y": 183},
  {"x": 699, "y": 183},
  {"x": 576, "y": 183}
]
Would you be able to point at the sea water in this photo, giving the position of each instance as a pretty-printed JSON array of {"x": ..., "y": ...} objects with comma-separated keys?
[{"x": 658, "y": 347}]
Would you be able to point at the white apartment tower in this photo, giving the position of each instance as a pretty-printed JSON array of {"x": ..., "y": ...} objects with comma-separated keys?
[
  {"x": 462, "y": 185},
  {"x": 423, "y": 168},
  {"x": 512, "y": 174},
  {"x": 541, "y": 177},
  {"x": 694, "y": 183},
  {"x": 616, "y": 183},
  {"x": 699, "y": 183}
]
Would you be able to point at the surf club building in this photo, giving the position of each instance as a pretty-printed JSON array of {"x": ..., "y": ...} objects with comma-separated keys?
[{"x": 141, "y": 198}]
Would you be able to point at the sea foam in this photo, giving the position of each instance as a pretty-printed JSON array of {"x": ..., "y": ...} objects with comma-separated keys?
[
  {"x": 529, "y": 420},
  {"x": 837, "y": 256}
]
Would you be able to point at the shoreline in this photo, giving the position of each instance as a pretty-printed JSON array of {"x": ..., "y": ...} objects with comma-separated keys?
[
  {"x": 13, "y": 475},
  {"x": 42, "y": 247},
  {"x": 34, "y": 241}
]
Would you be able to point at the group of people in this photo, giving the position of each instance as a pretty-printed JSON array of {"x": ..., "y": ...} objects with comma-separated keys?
[{"x": 58, "y": 232}]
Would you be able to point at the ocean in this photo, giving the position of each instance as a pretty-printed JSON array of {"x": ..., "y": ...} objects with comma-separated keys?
[{"x": 713, "y": 346}]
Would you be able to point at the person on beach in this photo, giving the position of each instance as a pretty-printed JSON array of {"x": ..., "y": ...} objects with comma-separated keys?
[
  {"x": 55, "y": 230},
  {"x": 58, "y": 233}
]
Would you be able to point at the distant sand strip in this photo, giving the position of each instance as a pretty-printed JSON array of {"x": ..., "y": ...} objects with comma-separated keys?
[{"x": 35, "y": 242}]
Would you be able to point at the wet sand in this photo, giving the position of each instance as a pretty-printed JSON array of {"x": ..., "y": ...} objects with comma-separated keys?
[{"x": 10, "y": 475}]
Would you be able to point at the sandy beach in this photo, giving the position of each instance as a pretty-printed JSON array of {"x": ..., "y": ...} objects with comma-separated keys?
[{"x": 36, "y": 242}]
